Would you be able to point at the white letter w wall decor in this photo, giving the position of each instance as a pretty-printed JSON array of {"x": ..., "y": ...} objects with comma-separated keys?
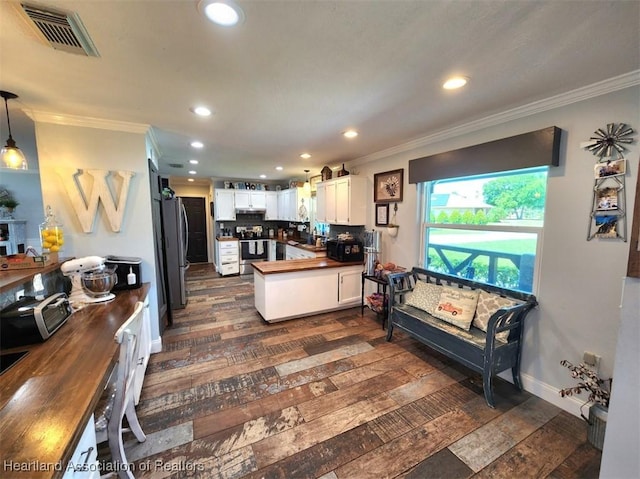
[{"x": 84, "y": 195}]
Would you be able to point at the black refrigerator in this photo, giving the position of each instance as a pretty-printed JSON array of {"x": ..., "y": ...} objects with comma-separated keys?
[{"x": 175, "y": 235}]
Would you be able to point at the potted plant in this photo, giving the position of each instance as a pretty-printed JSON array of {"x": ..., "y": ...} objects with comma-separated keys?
[
  {"x": 599, "y": 394},
  {"x": 8, "y": 203}
]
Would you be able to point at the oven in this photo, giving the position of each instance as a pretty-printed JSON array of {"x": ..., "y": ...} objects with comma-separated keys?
[{"x": 252, "y": 250}]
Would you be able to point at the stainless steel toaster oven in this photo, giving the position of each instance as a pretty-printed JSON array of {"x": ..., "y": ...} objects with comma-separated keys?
[{"x": 30, "y": 320}]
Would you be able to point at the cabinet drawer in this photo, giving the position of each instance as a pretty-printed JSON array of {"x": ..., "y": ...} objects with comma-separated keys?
[
  {"x": 226, "y": 246},
  {"x": 231, "y": 268},
  {"x": 229, "y": 257}
]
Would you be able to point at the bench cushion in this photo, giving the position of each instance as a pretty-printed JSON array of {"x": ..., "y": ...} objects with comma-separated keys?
[
  {"x": 457, "y": 306},
  {"x": 473, "y": 336},
  {"x": 424, "y": 296}
]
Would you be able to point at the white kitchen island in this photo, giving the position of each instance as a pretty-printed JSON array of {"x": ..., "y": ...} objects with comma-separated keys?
[{"x": 303, "y": 287}]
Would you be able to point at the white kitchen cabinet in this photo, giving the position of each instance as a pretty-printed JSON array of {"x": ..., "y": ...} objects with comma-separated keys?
[
  {"x": 228, "y": 257},
  {"x": 250, "y": 200},
  {"x": 321, "y": 202},
  {"x": 283, "y": 205},
  {"x": 342, "y": 201},
  {"x": 145, "y": 351},
  {"x": 84, "y": 461},
  {"x": 294, "y": 204},
  {"x": 349, "y": 286},
  {"x": 293, "y": 252},
  {"x": 224, "y": 205},
  {"x": 271, "y": 198},
  {"x": 295, "y": 293}
]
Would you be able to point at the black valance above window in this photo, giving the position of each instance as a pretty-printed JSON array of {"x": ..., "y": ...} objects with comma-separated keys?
[{"x": 536, "y": 148}]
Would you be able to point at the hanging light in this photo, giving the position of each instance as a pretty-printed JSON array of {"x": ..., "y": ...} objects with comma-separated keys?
[{"x": 12, "y": 156}]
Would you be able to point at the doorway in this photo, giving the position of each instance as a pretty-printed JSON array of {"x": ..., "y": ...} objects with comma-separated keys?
[{"x": 197, "y": 216}]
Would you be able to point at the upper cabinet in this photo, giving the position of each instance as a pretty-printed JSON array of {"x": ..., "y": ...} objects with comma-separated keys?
[
  {"x": 271, "y": 212},
  {"x": 224, "y": 206},
  {"x": 294, "y": 204},
  {"x": 342, "y": 201},
  {"x": 250, "y": 200}
]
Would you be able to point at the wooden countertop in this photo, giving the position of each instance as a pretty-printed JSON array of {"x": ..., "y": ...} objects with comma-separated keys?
[
  {"x": 295, "y": 265},
  {"x": 16, "y": 277},
  {"x": 226, "y": 238},
  {"x": 47, "y": 397}
]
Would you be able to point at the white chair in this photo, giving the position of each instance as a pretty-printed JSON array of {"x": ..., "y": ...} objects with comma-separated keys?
[{"x": 119, "y": 397}]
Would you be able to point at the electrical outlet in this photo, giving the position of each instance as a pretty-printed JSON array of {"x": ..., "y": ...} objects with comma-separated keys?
[{"x": 591, "y": 359}]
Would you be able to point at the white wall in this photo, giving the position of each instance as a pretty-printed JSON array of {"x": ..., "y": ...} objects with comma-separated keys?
[
  {"x": 580, "y": 281},
  {"x": 622, "y": 438},
  {"x": 86, "y": 147}
]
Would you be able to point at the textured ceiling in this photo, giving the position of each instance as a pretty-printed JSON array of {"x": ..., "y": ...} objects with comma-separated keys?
[{"x": 298, "y": 73}]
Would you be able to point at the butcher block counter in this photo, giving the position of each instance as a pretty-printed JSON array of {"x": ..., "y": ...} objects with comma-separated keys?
[
  {"x": 47, "y": 398},
  {"x": 297, "y": 265},
  {"x": 304, "y": 287}
]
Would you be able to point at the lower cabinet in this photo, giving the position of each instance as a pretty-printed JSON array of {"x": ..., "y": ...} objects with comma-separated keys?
[
  {"x": 84, "y": 461},
  {"x": 227, "y": 257},
  {"x": 298, "y": 253},
  {"x": 295, "y": 294},
  {"x": 349, "y": 286}
]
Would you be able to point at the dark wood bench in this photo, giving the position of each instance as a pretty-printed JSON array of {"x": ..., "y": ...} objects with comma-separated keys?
[{"x": 476, "y": 349}]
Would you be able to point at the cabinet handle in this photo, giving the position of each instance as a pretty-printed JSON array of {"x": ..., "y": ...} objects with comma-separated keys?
[{"x": 88, "y": 453}]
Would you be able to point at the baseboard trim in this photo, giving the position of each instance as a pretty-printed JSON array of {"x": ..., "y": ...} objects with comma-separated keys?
[
  {"x": 156, "y": 346},
  {"x": 550, "y": 394}
]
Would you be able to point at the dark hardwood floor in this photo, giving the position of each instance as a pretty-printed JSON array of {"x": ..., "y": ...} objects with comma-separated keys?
[{"x": 231, "y": 396}]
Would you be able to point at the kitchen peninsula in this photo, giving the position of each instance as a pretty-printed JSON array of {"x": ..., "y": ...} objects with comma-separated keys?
[{"x": 303, "y": 287}]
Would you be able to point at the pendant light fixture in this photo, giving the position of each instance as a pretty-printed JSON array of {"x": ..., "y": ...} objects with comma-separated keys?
[{"x": 12, "y": 156}]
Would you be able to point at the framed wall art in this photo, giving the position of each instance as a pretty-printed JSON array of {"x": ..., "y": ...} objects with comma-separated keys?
[
  {"x": 387, "y": 186},
  {"x": 313, "y": 182},
  {"x": 382, "y": 214}
]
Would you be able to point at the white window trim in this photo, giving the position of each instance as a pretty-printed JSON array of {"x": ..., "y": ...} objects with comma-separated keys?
[{"x": 424, "y": 200}]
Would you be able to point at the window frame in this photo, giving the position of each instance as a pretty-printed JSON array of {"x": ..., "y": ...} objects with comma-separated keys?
[{"x": 425, "y": 191}]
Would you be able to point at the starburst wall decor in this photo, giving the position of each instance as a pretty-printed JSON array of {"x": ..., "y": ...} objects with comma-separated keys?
[{"x": 604, "y": 144}]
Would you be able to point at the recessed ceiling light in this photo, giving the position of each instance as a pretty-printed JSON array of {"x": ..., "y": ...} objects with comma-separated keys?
[
  {"x": 454, "y": 83},
  {"x": 350, "y": 134},
  {"x": 263, "y": 176},
  {"x": 190, "y": 179},
  {"x": 305, "y": 156},
  {"x": 201, "y": 111},
  {"x": 192, "y": 172},
  {"x": 197, "y": 144},
  {"x": 279, "y": 168},
  {"x": 225, "y": 13},
  {"x": 193, "y": 162}
]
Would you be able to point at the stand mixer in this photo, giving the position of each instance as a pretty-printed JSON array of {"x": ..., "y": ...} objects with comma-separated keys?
[{"x": 76, "y": 269}]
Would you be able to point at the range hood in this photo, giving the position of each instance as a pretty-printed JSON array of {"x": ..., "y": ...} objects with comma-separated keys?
[{"x": 250, "y": 210}]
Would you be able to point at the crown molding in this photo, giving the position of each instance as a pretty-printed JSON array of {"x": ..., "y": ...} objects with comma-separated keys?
[
  {"x": 153, "y": 141},
  {"x": 580, "y": 94},
  {"x": 88, "y": 122}
]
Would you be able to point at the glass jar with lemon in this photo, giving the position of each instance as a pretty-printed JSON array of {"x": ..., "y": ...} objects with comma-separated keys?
[{"x": 51, "y": 234}]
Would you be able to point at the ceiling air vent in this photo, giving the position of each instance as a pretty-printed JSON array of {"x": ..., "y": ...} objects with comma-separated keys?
[
  {"x": 62, "y": 30},
  {"x": 176, "y": 165}
]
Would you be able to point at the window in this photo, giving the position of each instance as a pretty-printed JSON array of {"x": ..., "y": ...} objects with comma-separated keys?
[{"x": 487, "y": 228}]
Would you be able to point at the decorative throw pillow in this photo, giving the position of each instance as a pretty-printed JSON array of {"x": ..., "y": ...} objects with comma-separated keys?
[
  {"x": 489, "y": 303},
  {"x": 457, "y": 306},
  {"x": 424, "y": 296}
]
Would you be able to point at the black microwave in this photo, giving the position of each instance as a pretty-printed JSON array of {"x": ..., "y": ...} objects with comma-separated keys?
[{"x": 345, "y": 250}]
